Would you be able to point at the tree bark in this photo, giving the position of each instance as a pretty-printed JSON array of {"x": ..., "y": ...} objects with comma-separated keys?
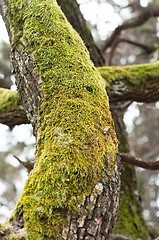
[
  {"x": 73, "y": 190},
  {"x": 129, "y": 222}
]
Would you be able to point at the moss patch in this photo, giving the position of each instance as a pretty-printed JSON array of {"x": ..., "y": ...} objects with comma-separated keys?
[{"x": 76, "y": 132}]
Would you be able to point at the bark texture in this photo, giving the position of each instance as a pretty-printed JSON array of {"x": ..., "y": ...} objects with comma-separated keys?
[{"x": 73, "y": 190}]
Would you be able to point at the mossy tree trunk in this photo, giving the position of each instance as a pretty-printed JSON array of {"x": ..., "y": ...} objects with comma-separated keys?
[
  {"x": 75, "y": 17},
  {"x": 73, "y": 190},
  {"x": 130, "y": 83}
]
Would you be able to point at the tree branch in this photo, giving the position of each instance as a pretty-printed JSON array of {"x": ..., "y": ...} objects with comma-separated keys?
[
  {"x": 147, "y": 49},
  {"x": 4, "y": 13},
  {"x": 60, "y": 86},
  {"x": 151, "y": 165},
  {"x": 28, "y": 164},
  {"x": 132, "y": 83},
  {"x": 141, "y": 18},
  {"x": 11, "y": 111}
]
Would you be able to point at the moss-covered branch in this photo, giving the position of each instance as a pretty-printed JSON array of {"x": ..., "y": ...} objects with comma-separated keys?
[
  {"x": 11, "y": 111},
  {"x": 132, "y": 83}
]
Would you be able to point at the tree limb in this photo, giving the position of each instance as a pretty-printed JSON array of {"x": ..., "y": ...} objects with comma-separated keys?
[
  {"x": 60, "y": 86},
  {"x": 141, "y": 18},
  {"x": 11, "y": 111},
  {"x": 146, "y": 48},
  {"x": 132, "y": 83},
  {"x": 151, "y": 165},
  {"x": 28, "y": 164}
]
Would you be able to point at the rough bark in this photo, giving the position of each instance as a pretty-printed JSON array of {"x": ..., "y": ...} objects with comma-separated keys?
[{"x": 73, "y": 190}]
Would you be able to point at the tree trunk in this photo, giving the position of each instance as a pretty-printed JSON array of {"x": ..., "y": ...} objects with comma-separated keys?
[
  {"x": 74, "y": 16},
  {"x": 73, "y": 190},
  {"x": 130, "y": 221}
]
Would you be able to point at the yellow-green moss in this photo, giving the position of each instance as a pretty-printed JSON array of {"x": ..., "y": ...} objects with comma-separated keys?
[
  {"x": 76, "y": 130},
  {"x": 129, "y": 77},
  {"x": 8, "y": 100}
]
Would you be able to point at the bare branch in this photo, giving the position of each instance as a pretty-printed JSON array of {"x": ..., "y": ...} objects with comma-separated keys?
[
  {"x": 4, "y": 13},
  {"x": 13, "y": 118},
  {"x": 147, "y": 49},
  {"x": 28, "y": 164},
  {"x": 151, "y": 165},
  {"x": 141, "y": 18}
]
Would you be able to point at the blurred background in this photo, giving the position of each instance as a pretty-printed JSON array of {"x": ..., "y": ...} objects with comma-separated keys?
[{"x": 137, "y": 44}]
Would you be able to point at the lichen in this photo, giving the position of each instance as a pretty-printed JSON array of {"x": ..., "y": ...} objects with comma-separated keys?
[
  {"x": 76, "y": 131},
  {"x": 8, "y": 100}
]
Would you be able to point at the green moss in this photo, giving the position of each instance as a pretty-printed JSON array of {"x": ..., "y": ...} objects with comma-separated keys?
[
  {"x": 129, "y": 77},
  {"x": 76, "y": 130},
  {"x": 8, "y": 100}
]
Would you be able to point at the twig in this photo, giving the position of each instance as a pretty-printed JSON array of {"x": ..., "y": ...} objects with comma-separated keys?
[
  {"x": 28, "y": 165},
  {"x": 144, "y": 16},
  {"x": 151, "y": 165}
]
